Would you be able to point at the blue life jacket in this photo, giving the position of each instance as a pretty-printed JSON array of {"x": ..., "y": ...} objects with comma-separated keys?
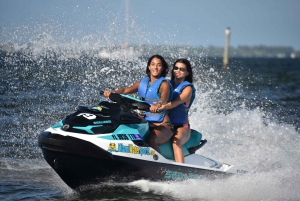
[
  {"x": 150, "y": 94},
  {"x": 179, "y": 114}
]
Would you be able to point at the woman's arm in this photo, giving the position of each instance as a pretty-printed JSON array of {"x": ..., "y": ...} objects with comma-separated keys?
[
  {"x": 128, "y": 90},
  {"x": 184, "y": 97},
  {"x": 164, "y": 90}
]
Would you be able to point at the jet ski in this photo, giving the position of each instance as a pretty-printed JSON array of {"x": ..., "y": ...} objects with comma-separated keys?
[{"x": 106, "y": 142}]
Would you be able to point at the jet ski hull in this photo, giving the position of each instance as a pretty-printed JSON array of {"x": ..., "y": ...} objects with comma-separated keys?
[
  {"x": 80, "y": 162},
  {"x": 107, "y": 143}
]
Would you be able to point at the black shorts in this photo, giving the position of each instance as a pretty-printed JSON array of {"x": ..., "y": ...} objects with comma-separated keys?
[
  {"x": 176, "y": 126},
  {"x": 168, "y": 123}
]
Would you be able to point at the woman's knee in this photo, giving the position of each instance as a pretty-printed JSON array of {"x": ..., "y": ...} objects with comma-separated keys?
[
  {"x": 180, "y": 139},
  {"x": 151, "y": 139},
  {"x": 176, "y": 141}
]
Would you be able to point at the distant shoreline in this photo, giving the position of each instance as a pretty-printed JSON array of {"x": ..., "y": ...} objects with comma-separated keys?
[{"x": 260, "y": 51}]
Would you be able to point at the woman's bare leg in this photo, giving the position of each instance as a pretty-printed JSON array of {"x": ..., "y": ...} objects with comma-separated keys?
[
  {"x": 181, "y": 136},
  {"x": 159, "y": 135}
]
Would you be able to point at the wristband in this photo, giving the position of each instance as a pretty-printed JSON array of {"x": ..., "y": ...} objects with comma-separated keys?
[{"x": 160, "y": 103}]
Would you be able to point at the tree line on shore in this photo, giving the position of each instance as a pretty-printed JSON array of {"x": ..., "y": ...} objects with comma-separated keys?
[{"x": 260, "y": 51}]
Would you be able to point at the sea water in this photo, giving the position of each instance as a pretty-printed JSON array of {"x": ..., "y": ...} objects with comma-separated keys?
[{"x": 249, "y": 114}]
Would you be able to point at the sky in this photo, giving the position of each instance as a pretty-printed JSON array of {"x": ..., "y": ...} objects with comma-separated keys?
[{"x": 154, "y": 22}]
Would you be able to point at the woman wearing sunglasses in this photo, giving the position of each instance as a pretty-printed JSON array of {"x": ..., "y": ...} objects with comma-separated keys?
[
  {"x": 155, "y": 89},
  {"x": 183, "y": 97}
]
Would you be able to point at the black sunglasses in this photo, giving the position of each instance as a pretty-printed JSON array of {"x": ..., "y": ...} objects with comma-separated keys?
[{"x": 180, "y": 68}]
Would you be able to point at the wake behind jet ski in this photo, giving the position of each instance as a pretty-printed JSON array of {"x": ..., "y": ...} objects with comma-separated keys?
[{"x": 107, "y": 142}]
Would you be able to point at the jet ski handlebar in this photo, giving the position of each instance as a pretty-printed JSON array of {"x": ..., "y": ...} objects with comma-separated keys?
[{"x": 128, "y": 101}]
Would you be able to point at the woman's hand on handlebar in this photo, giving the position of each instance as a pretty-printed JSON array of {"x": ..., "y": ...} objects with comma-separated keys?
[
  {"x": 106, "y": 93},
  {"x": 154, "y": 108},
  {"x": 163, "y": 107}
]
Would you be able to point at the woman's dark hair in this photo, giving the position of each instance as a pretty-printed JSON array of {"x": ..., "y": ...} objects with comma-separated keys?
[
  {"x": 163, "y": 62},
  {"x": 188, "y": 78}
]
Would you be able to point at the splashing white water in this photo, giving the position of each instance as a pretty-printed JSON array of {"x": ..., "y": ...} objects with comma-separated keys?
[{"x": 242, "y": 137}]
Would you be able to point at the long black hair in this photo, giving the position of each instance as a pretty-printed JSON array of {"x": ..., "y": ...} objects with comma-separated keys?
[
  {"x": 188, "y": 78},
  {"x": 163, "y": 62}
]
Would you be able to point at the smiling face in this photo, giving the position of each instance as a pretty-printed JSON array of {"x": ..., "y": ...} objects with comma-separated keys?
[
  {"x": 180, "y": 71},
  {"x": 155, "y": 67}
]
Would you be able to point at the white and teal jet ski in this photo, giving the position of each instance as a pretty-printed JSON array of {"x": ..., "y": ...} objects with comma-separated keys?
[{"x": 106, "y": 142}]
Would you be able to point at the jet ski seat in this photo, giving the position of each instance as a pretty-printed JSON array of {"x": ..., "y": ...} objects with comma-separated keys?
[{"x": 188, "y": 148}]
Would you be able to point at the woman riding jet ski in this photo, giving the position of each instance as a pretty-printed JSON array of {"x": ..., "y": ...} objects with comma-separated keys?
[{"x": 154, "y": 89}]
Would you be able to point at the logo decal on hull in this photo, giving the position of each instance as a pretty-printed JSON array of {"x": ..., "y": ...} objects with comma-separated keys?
[
  {"x": 102, "y": 122},
  {"x": 175, "y": 175},
  {"x": 130, "y": 149},
  {"x": 99, "y": 108},
  {"x": 127, "y": 137},
  {"x": 112, "y": 147},
  {"x": 87, "y": 116}
]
